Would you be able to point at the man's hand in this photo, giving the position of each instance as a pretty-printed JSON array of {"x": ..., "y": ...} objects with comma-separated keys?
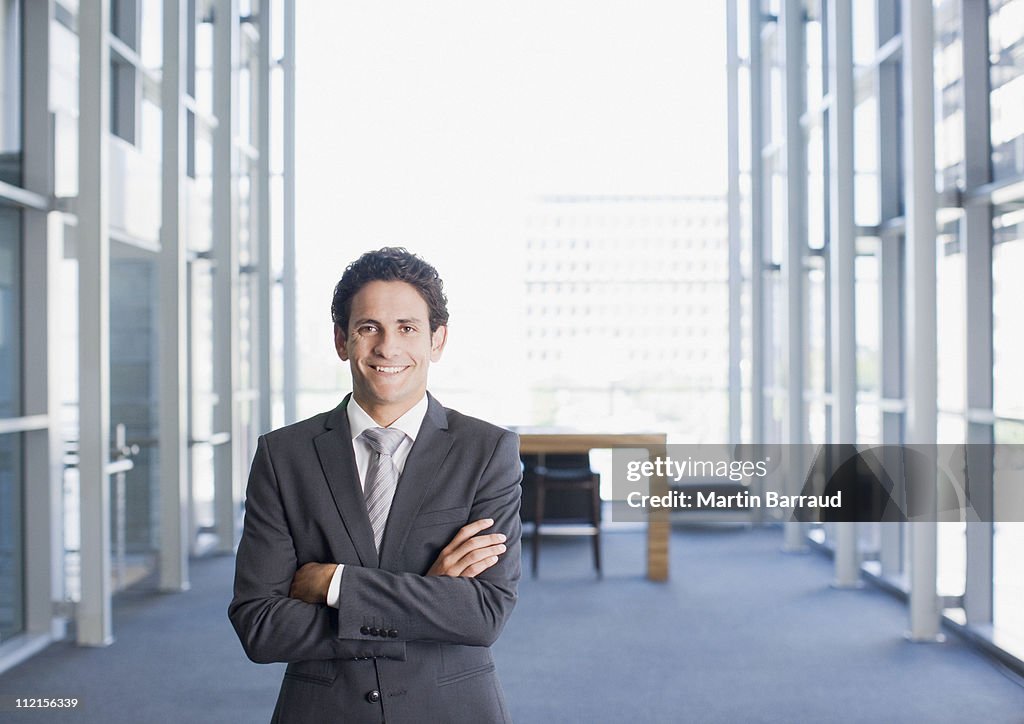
[
  {"x": 469, "y": 554},
  {"x": 311, "y": 582}
]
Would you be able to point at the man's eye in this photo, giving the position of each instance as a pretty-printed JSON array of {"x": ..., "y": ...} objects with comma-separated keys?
[
  {"x": 368, "y": 329},
  {"x": 407, "y": 329}
]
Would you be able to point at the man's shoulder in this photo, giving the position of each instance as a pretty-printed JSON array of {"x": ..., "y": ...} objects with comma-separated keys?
[
  {"x": 301, "y": 430},
  {"x": 460, "y": 424}
]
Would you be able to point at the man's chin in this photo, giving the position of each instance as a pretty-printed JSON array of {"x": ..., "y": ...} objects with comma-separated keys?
[{"x": 389, "y": 396}]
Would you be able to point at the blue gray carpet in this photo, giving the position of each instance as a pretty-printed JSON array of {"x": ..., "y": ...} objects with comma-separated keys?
[{"x": 741, "y": 633}]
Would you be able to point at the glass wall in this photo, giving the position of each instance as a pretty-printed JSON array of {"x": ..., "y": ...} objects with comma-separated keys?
[
  {"x": 10, "y": 91},
  {"x": 884, "y": 289},
  {"x": 867, "y": 317},
  {"x": 1008, "y": 389},
  {"x": 10, "y": 312},
  {"x": 44, "y": 105},
  {"x": 12, "y": 573},
  {"x": 608, "y": 253},
  {"x": 1006, "y": 54},
  {"x": 11, "y": 479},
  {"x": 949, "y": 117}
]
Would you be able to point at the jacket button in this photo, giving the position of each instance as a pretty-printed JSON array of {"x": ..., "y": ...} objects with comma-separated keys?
[
  {"x": 373, "y": 697},
  {"x": 374, "y": 631},
  {"x": 393, "y": 633},
  {"x": 364, "y": 630}
]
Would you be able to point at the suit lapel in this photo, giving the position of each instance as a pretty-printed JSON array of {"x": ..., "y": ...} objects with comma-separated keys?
[
  {"x": 334, "y": 447},
  {"x": 418, "y": 478}
]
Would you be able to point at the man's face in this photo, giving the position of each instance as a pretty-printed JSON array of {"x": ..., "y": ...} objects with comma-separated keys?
[{"x": 389, "y": 348}]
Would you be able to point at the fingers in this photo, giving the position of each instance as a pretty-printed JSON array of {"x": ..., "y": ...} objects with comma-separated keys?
[
  {"x": 469, "y": 553},
  {"x": 468, "y": 531},
  {"x": 454, "y": 563},
  {"x": 478, "y": 559}
]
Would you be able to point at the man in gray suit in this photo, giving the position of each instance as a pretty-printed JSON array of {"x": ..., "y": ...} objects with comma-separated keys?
[{"x": 381, "y": 554}]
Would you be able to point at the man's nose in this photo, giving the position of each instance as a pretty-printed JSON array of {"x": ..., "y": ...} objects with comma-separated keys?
[{"x": 387, "y": 344}]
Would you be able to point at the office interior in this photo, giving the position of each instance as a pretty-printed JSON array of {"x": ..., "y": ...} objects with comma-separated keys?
[{"x": 857, "y": 281}]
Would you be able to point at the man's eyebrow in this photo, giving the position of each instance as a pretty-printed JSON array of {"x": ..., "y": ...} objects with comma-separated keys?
[{"x": 402, "y": 320}]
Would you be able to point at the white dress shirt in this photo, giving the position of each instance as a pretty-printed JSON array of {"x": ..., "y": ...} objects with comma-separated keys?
[{"x": 358, "y": 421}]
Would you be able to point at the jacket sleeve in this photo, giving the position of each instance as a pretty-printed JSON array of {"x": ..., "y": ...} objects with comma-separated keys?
[
  {"x": 468, "y": 611},
  {"x": 271, "y": 626}
]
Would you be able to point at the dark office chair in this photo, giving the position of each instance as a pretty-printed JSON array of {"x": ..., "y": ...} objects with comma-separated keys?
[{"x": 576, "y": 497}]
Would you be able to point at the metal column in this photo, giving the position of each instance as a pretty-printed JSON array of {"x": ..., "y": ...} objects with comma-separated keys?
[
  {"x": 94, "y": 609},
  {"x": 44, "y": 550},
  {"x": 792, "y": 26},
  {"x": 841, "y": 256},
  {"x": 891, "y": 263},
  {"x": 757, "y": 316},
  {"x": 976, "y": 233},
  {"x": 919, "y": 138},
  {"x": 733, "y": 196},
  {"x": 265, "y": 280},
  {"x": 226, "y": 456},
  {"x": 174, "y": 471},
  {"x": 290, "y": 357}
]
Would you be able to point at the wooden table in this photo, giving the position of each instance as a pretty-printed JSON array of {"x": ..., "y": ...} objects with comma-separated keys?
[{"x": 658, "y": 522}]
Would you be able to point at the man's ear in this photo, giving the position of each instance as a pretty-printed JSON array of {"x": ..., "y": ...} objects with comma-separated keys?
[
  {"x": 437, "y": 341},
  {"x": 339, "y": 342}
]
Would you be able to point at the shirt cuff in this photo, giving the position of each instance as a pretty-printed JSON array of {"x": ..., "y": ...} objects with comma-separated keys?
[{"x": 334, "y": 589}]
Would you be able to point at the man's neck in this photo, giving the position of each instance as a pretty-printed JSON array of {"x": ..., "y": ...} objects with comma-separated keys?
[{"x": 383, "y": 415}]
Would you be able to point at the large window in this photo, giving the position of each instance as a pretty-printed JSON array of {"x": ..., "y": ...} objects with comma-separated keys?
[
  {"x": 571, "y": 199},
  {"x": 1007, "y": 302},
  {"x": 1008, "y": 388},
  {"x": 867, "y": 318},
  {"x": 892, "y": 355},
  {"x": 1006, "y": 53},
  {"x": 10, "y": 312},
  {"x": 11, "y": 560},
  {"x": 951, "y": 331},
  {"x": 10, "y": 91},
  {"x": 949, "y": 115},
  {"x": 12, "y": 579}
]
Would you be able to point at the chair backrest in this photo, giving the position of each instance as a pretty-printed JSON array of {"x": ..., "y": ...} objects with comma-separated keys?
[
  {"x": 560, "y": 505},
  {"x": 568, "y": 461}
]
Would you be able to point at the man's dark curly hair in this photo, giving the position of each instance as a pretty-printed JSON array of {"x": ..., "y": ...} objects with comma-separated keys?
[{"x": 390, "y": 264}]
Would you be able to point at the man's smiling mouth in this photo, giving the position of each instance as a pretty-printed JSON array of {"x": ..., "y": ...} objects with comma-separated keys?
[{"x": 388, "y": 370}]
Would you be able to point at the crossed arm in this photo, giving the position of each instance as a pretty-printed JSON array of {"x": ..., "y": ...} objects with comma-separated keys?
[
  {"x": 467, "y": 555},
  {"x": 464, "y": 598}
]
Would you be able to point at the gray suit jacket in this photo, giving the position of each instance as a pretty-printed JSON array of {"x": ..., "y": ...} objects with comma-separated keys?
[{"x": 402, "y": 647}]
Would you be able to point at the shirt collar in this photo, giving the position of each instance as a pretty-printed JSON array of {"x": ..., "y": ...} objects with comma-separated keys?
[{"x": 359, "y": 420}]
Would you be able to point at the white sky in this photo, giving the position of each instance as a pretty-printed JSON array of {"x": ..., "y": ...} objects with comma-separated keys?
[{"x": 431, "y": 125}]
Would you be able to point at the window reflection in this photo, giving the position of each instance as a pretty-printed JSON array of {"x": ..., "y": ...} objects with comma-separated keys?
[
  {"x": 1007, "y": 302},
  {"x": 865, "y": 178},
  {"x": 950, "y": 321},
  {"x": 864, "y": 32},
  {"x": 11, "y": 554},
  {"x": 1006, "y": 76},
  {"x": 867, "y": 315},
  {"x": 817, "y": 414},
  {"x": 10, "y": 91},
  {"x": 816, "y": 180},
  {"x": 1008, "y": 546},
  {"x": 949, "y": 138},
  {"x": 10, "y": 312},
  {"x": 814, "y": 48}
]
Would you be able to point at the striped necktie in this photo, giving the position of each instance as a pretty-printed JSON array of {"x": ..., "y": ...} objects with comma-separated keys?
[{"x": 381, "y": 476}]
